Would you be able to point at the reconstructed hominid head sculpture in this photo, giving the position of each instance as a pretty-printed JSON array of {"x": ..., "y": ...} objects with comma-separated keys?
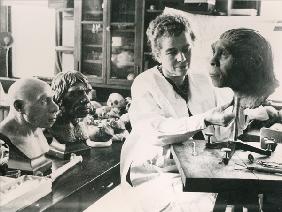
[{"x": 242, "y": 60}]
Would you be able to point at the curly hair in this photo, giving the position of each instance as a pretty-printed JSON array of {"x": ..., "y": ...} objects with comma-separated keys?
[
  {"x": 254, "y": 53},
  {"x": 63, "y": 81},
  {"x": 166, "y": 25}
]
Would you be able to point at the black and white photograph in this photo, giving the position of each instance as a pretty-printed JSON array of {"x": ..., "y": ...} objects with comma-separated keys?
[{"x": 141, "y": 105}]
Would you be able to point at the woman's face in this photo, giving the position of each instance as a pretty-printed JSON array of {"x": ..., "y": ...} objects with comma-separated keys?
[{"x": 175, "y": 55}]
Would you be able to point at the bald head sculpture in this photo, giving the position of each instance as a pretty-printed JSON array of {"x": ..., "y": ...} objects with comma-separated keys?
[
  {"x": 242, "y": 60},
  {"x": 31, "y": 109},
  {"x": 32, "y": 99}
]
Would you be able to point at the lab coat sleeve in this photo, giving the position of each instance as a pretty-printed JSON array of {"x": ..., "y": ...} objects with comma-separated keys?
[{"x": 152, "y": 120}]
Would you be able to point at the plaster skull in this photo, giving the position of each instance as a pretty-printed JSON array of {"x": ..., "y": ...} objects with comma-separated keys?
[{"x": 116, "y": 100}]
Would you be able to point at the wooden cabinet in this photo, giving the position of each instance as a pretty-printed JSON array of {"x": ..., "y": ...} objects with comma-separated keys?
[
  {"x": 153, "y": 8},
  {"x": 109, "y": 41}
]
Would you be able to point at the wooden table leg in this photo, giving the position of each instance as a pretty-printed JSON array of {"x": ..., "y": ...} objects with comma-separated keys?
[
  {"x": 239, "y": 200},
  {"x": 220, "y": 203}
]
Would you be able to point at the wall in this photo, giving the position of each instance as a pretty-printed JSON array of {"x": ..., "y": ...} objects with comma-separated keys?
[{"x": 33, "y": 29}]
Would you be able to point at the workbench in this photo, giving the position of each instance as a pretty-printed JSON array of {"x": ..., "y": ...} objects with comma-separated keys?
[{"x": 235, "y": 185}]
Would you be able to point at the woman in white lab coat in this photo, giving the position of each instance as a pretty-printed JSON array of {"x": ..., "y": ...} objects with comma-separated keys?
[{"x": 169, "y": 105}]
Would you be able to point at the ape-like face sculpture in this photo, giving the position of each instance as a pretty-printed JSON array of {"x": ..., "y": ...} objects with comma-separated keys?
[
  {"x": 71, "y": 94},
  {"x": 223, "y": 62},
  {"x": 76, "y": 102},
  {"x": 242, "y": 60}
]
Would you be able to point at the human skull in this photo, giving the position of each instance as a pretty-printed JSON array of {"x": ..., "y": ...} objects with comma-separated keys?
[{"x": 116, "y": 100}]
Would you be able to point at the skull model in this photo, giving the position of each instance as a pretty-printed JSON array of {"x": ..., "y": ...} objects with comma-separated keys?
[{"x": 116, "y": 100}]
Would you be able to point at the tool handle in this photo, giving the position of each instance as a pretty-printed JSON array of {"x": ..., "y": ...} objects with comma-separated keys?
[
  {"x": 236, "y": 119},
  {"x": 265, "y": 169}
]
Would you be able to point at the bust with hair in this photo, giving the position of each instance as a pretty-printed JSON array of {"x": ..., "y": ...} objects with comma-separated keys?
[
  {"x": 242, "y": 60},
  {"x": 71, "y": 93}
]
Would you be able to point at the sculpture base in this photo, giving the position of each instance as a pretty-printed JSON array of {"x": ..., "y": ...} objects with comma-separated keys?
[
  {"x": 19, "y": 160},
  {"x": 64, "y": 151},
  {"x": 37, "y": 166}
]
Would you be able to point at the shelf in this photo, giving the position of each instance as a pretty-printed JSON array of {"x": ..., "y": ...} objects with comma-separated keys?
[
  {"x": 127, "y": 13},
  {"x": 154, "y": 11},
  {"x": 124, "y": 47},
  {"x": 91, "y": 75},
  {"x": 94, "y": 79},
  {"x": 93, "y": 61},
  {"x": 92, "y": 22},
  {"x": 243, "y": 12},
  {"x": 107, "y": 86},
  {"x": 64, "y": 49},
  {"x": 129, "y": 64},
  {"x": 123, "y": 24},
  {"x": 123, "y": 27},
  {"x": 124, "y": 30},
  {"x": 68, "y": 10},
  {"x": 96, "y": 12},
  {"x": 68, "y": 17},
  {"x": 92, "y": 45}
]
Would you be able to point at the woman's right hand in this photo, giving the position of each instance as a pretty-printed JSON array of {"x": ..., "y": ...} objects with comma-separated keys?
[{"x": 220, "y": 115}]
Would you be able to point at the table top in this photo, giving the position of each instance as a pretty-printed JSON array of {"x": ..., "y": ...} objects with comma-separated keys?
[
  {"x": 82, "y": 175},
  {"x": 205, "y": 171}
]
